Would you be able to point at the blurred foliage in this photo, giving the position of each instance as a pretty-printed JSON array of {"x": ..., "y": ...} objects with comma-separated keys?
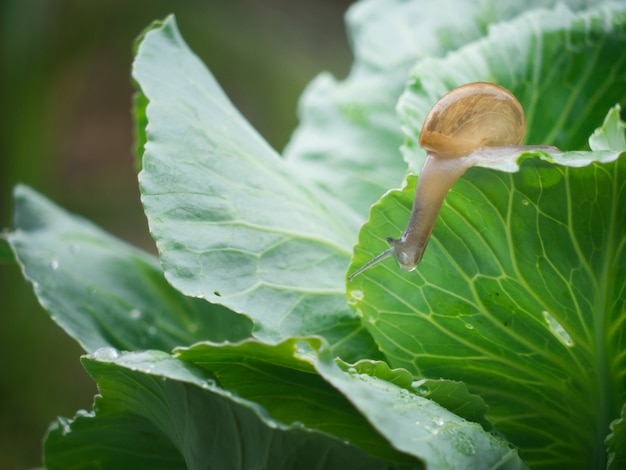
[{"x": 66, "y": 130}]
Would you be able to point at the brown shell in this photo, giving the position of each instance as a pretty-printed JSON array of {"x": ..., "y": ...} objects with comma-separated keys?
[{"x": 472, "y": 116}]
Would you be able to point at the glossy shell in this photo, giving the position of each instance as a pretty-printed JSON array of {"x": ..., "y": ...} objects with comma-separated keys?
[{"x": 470, "y": 117}]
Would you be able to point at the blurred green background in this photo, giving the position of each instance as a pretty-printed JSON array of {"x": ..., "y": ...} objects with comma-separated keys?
[{"x": 66, "y": 130}]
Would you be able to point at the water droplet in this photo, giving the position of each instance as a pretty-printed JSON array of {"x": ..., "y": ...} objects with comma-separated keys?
[
  {"x": 431, "y": 429},
  {"x": 106, "y": 354},
  {"x": 135, "y": 314},
  {"x": 54, "y": 264},
  {"x": 139, "y": 357},
  {"x": 435, "y": 426},
  {"x": 305, "y": 352},
  {"x": 525, "y": 202},
  {"x": 420, "y": 388},
  {"x": 356, "y": 294},
  {"x": 469, "y": 326},
  {"x": 557, "y": 329},
  {"x": 464, "y": 444},
  {"x": 65, "y": 426},
  {"x": 209, "y": 384}
]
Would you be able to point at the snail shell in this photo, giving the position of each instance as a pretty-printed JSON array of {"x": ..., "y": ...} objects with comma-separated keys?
[{"x": 470, "y": 117}]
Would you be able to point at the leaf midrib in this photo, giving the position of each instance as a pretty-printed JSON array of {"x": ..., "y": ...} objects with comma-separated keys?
[{"x": 602, "y": 323}]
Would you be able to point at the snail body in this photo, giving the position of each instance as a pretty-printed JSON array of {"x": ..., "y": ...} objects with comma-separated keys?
[{"x": 474, "y": 123}]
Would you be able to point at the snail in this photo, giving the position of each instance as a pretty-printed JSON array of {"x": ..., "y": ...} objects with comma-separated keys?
[{"x": 474, "y": 123}]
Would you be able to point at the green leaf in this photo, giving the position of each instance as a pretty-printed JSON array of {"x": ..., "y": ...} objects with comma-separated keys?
[
  {"x": 452, "y": 395},
  {"x": 115, "y": 440},
  {"x": 455, "y": 396},
  {"x": 282, "y": 379},
  {"x": 611, "y": 135},
  {"x": 416, "y": 425},
  {"x": 533, "y": 324},
  {"x": 140, "y": 103},
  {"x": 537, "y": 255},
  {"x": 616, "y": 442},
  {"x": 233, "y": 224},
  {"x": 103, "y": 292},
  {"x": 350, "y": 125},
  {"x": 566, "y": 69},
  {"x": 519, "y": 295},
  {"x": 162, "y": 404}
]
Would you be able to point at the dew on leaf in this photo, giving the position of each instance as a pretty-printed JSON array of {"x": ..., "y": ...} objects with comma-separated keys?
[
  {"x": 435, "y": 426},
  {"x": 106, "y": 354},
  {"x": 464, "y": 444},
  {"x": 557, "y": 329},
  {"x": 356, "y": 294},
  {"x": 422, "y": 390},
  {"x": 135, "y": 314}
]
